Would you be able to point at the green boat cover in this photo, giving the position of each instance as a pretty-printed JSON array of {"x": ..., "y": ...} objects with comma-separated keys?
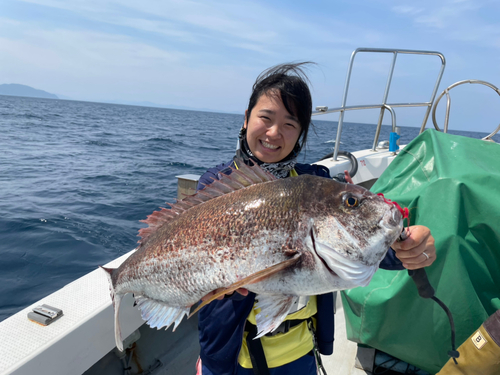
[{"x": 451, "y": 184}]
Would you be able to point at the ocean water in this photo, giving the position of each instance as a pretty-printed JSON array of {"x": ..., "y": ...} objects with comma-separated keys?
[{"x": 76, "y": 178}]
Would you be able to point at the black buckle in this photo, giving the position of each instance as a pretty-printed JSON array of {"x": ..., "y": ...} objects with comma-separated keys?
[{"x": 284, "y": 327}]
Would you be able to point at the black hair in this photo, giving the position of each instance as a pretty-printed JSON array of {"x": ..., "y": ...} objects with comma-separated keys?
[{"x": 290, "y": 81}]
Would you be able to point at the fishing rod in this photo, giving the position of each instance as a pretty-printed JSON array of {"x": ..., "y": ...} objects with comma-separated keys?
[{"x": 425, "y": 290}]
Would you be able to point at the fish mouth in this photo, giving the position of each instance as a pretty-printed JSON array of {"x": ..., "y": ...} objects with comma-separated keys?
[
  {"x": 394, "y": 217},
  {"x": 392, "y": 220},
  {"x": 352, "y": 271}
]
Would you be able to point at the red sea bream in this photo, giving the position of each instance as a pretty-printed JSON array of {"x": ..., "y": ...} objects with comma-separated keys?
[{"x": 279, "y": 238}]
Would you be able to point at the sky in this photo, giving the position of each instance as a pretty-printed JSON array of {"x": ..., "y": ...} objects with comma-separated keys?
[{"x": 206, "y": 54}]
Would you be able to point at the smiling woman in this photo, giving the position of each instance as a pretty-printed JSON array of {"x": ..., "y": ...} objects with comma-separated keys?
[
  {"x": 275, "y": 129},
  {"x": 278, "y": 114},
  {"x": 272, "y": 132}
]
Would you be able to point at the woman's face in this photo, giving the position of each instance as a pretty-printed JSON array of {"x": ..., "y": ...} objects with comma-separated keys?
[{"x": 272, "y": 132}]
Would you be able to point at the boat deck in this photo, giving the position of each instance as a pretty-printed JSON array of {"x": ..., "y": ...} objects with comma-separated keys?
[{"x": 75, "y": 341}]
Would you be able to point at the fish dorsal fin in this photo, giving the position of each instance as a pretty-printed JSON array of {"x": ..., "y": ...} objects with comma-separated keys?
[{"x": 239, "y": 179}]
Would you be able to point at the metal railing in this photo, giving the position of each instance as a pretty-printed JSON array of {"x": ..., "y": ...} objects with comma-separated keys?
[
  {"x": 383, "y": 105},
  {"x": 448, "y": 104}
]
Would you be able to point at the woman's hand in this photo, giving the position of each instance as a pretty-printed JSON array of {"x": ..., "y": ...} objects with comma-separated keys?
[
  {"x": 242, "y": 291},
  {"x": 418, "y": 250}
]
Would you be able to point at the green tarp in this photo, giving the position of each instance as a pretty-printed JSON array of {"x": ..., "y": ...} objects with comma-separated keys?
[{"x": 450, "y": 184}]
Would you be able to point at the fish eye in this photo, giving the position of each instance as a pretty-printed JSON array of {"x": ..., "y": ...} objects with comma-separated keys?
[{"x": 351, "y": 201}]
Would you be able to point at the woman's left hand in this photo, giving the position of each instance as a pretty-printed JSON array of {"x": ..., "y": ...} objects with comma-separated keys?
[{"x": 418, "y": 250}]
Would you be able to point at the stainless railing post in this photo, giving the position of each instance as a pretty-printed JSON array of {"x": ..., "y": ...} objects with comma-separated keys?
[
  {"x": 448, "y": 103},
  {"x": 384, "y": 105},
  {"x": 384, "y": 102},
  {"x": 344, "y": 101},
  {"x": 448, "y": 107},
  {"x": 434, "y": 92}
]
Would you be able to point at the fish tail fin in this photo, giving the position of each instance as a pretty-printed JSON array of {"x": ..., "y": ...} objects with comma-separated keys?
[
  {"x": 118, "y": 332},
  {"x": 116, "y": 299},
  {"x": 109, "y": 275}
]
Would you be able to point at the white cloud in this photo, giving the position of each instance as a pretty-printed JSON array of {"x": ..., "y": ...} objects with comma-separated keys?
[
  {"x": 458, "y": 20},
  {"x": 162, "y": 56},
  {"x": 165, "y": 28},
  {"x": 55, "y": 46},
  {"x": 175, "y": 52},
  {"x": 75, "y": 63},
  {"x": 187, "y": 21},
  {"x": 404, "y": 9},
  {"x": 241, "y": 24}
]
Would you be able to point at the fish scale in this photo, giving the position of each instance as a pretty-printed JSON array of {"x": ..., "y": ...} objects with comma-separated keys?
[{"x": 279, "y": 238}]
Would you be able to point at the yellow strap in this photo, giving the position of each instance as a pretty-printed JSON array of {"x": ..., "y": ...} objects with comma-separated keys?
[{"x": 284, "y": 348}]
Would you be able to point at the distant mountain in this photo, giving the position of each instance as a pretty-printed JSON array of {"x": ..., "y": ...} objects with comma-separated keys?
[
  {"x": 168, "y": 106},
  {"x": 15, "y": 89}
]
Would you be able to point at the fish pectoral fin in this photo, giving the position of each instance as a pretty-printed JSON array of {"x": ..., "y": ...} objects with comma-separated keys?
[
  {"x": 273, "y": 310},
  {"x": 252, "y": 279},
  {"x": 158, "y": 314}
]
